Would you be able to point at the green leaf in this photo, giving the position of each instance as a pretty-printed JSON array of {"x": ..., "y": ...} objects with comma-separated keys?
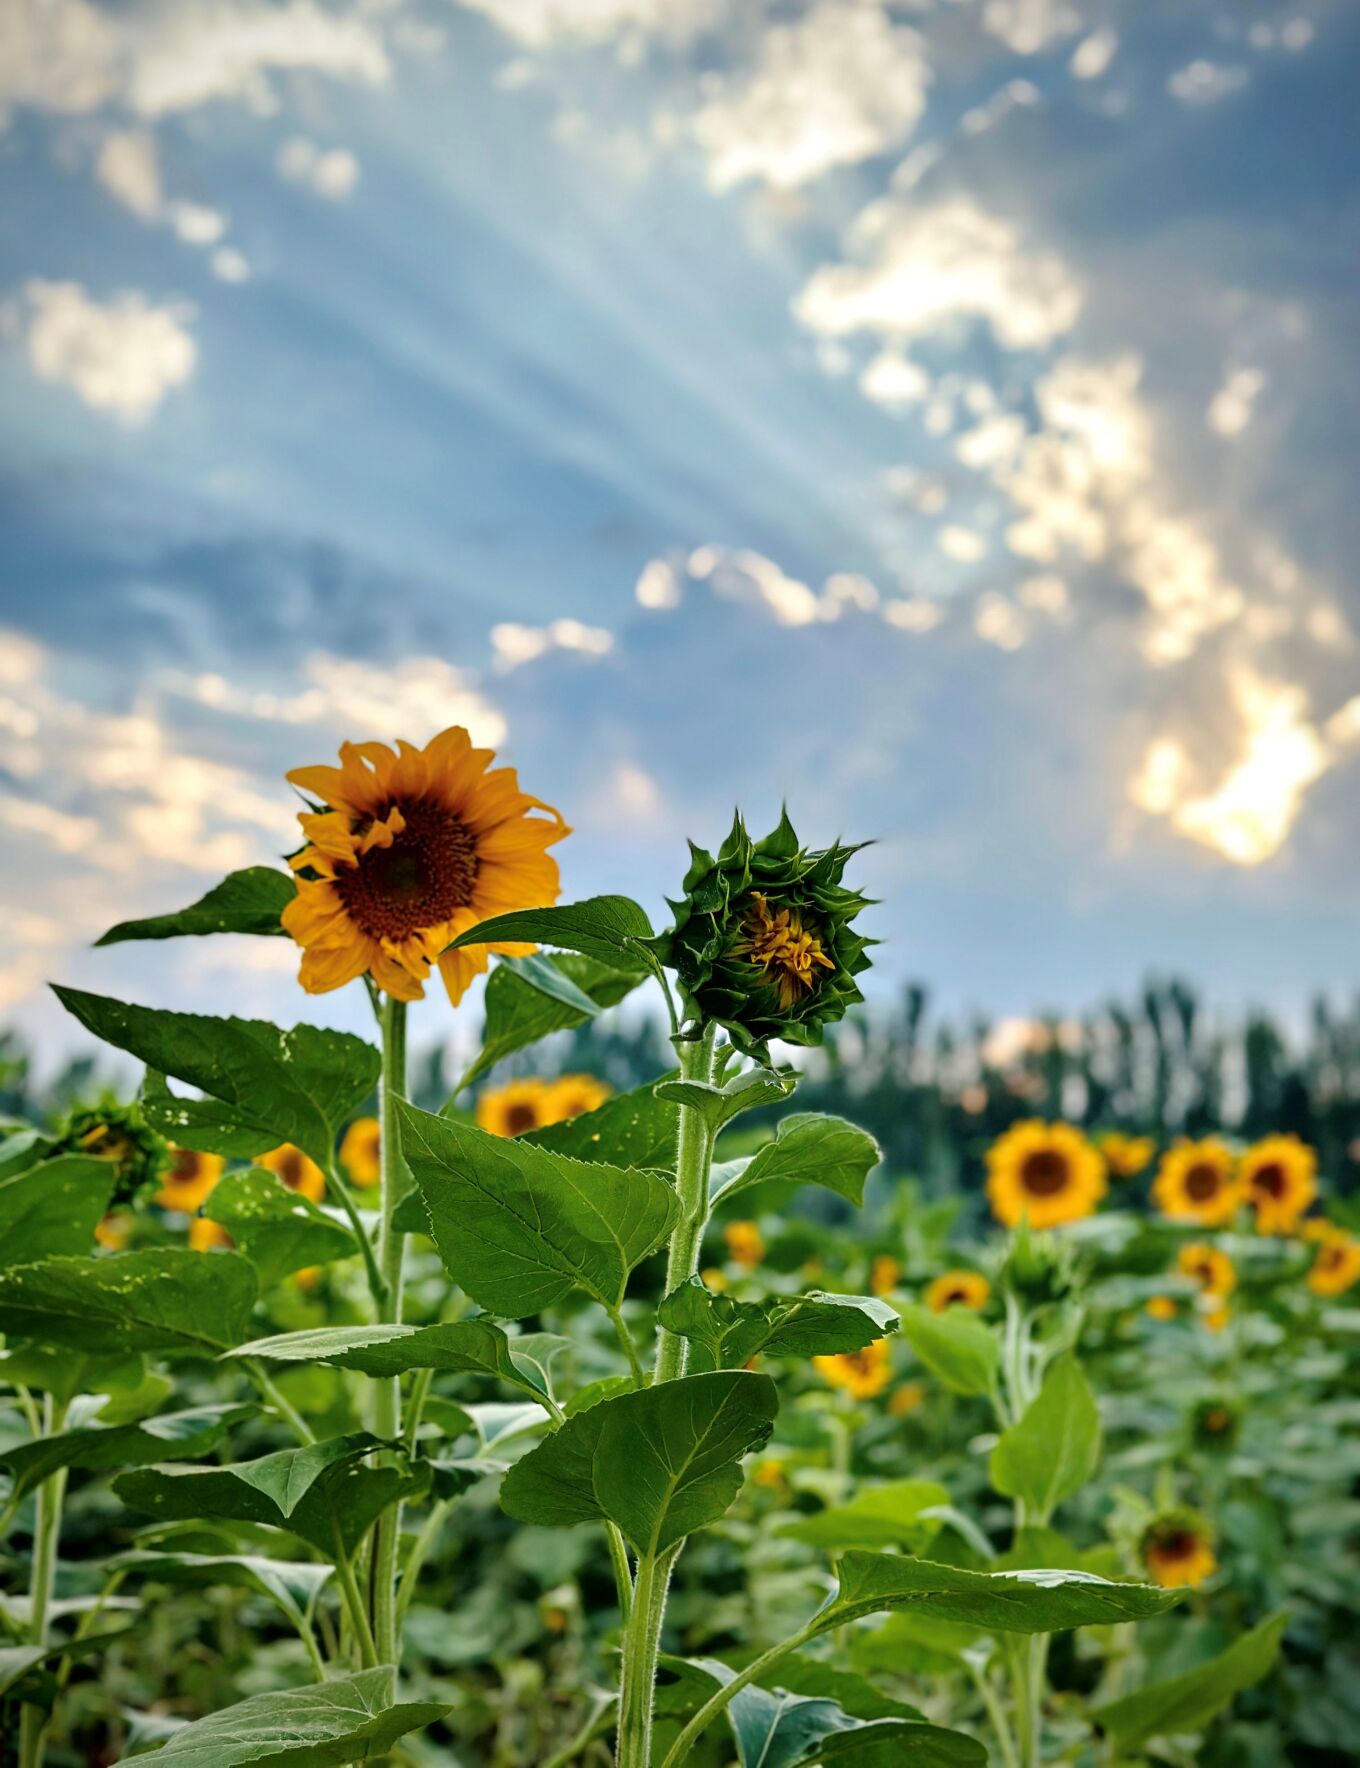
[
  {"x": 894, "y": 1744},
  {"x": 1054, "y": 1449},
  {"x": 660, "y": 1463},
  {"x": 1008, "y": 1602},
  {"x": 64, "y": 1372},
  {"x": 244, "y": 902},
  {"x": 313, "y": 1491},
  {"x": 54, "y": 1207},
  {"x": 520, "y": 1228},
  {"x": 268, "y": 1086},
  {"x": 156, "y": 1300},
  {"x": 473, "y": 1347},
  {"x": 956, "y": 1346},
  {"x": 856, "y": 1694},
  {"x": 908, "y": 1643},
  {"x": 728, "y": 1333},
  {"x": 878, "y": 1516},
  {"x": 277, "y": 1230},
  {"x": 165, "y": 1438},
  {"x": 605, "y": 928},
  {"x": 548, "y": 977},
  {"x": 1187, "y": 1703},
  {"x": 290, "y": 1584},
  {"x": 519, "y": 1012},
  {"x": 349, "y": 1720},
  {"x": 807, "y": 1149},
  {"x": 635, "y": 1129},
  {"x": 720, "y": 1104}
]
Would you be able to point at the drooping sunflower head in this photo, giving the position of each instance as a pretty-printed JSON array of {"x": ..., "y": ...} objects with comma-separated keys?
[
  {"x": 1279, "y": 1180},
  {"x": 295, "y": 1171},
  {"x": 958, "y": 1289},
  {"x": 862, "y": 1374},
  {"x": 764, "y": 942},
  {"x": 1196, "y": 1183},
  {"x": 1337, "y": 1263},
  {"x": 516, "y": 1108},
  {"x": 1125, "y": 1156},
  {"x": 1043, "y": 1173},
  {"x": 361, "y": 1152},
  {"x": 405, "y": 851},
  {"x": 1177, "y": 1548},
  {"x": 190, "y": 1181},
  {"x": 1213, "y": 1270},
  {"x": 1216, "y": 1423},
  {"x": 572, "y": 1095},
  {"x": 121, "y": 1135},
  {"x": 745, "y": 1245}
]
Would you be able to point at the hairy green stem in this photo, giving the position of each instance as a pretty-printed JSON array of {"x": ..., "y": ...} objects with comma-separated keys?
[
  {"x": 694, "y": 1158},
  {"x": 641, "y": 1645},
  {"x": 354, "y": 1602},
  {"x": 996, "y": 1713},
  {"x": 629, "y": 1346},
  {"x": 716, "y": 1702},
  {"x": 391, "y": 1259},
  {"x": 420, "y": 1552},
  {"x": 623, "y": 1576},
  {"x": 46, "y": 1543}
]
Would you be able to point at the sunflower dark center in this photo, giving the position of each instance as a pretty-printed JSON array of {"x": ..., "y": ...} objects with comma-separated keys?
[
  {"x": 1202, "y": 1182},
  {"x": 184, "y": 1165},
  {"x": 290, "y": 1169},
  {"x": 1332, "y": 1258},
  {"x": 420, "y": 881},
  {"x": 957, "y": 1294},
  {"x": 519, "y": 1118},
  {"x": 1270, "y": 1179},
  {"x": 1176, "y": 1544},
  {"x": 1044, "y": 1174}
]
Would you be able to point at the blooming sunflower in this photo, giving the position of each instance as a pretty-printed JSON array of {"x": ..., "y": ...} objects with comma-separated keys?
[
  {"x": 744, "y": 1244},
  {"x": 190, "y": 1180},
  {"x": 906, "y": 1398},
  {"x": 1195, "y": 1183},
  {"x": 1213, "y": 1270},
  {"x": 965, "y": 1289},
  {"x": 518, "y": 1106},
  {"x": 1045, "y": 1173},
  {"x": 572, "y": 1095},
  {"x": 405, "y": 852},
  {"x": 1160, "y": 1307},
  {"x": 1177, "y": 1549},
  {"x": 1279, "y": 1180},
  {"x": 863, "y": 1374},
  {"x": 884, "y": 1274},
  {"x": 1337, "y": 1264},
  {"x": 296, "y": 1170},
  {"x": 361, "y": 1152},
  {"x": 206, "y": 1236},
  {"x": 1125, "y": 1156}
]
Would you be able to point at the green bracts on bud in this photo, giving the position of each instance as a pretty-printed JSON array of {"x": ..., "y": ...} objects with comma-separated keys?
[
  {"x": 121, "y": 1135},
  {"x": 763, "y": 942}
]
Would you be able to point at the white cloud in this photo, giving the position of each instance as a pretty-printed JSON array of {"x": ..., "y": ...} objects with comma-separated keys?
[
  {"x": 543, "y": 24},
  {"x": 1093, "y": 55},
  {"x": 57, "y": 55},
  {"x": 1030, "y": 26},
  {"x": 123, "y": 357},
  {"x": 999, "y": 622},
  {"x": 964, "y": 545},
  {"x": 196, "y": 224},
  {"x": 514, "y": 645},
  {"x": 834, "y": 87},
  {"x": 658, "y": 586},
  {"x": 893, "y": 380},
  {"x": 331, "y": 173},
  {"x": 129, "y": 168},
  {"x": 229, "y": 265},
  {"x": 921, "y": 267},
  {"x": 1230, "y": 409},
  {"x": 1204, "y": 82}
]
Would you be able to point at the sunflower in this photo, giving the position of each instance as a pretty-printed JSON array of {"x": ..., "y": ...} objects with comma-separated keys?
[
  {"x": 518, "y": 1106},
  {"x": 361, "y": 1152},
  {"x": 1337, "y": 1264},
  {"x": 1195, "y": 1183},
  {"x": 884, "y": 1274},
  {"x": 1213, "y": 1270},
  {"x": 863, "y": 1374},
  {"x": 206, "y": 1236},
  {"x": 1161, "y": 1307},
  {"x": 713, "y": 1278},
  {"x": 1125, "y": 1156},
  {"x": 964, "y": 1289},
  {"x": 572, "y": 1095},
  {"x": 769, "y": 1473},
  {"x": 1177, "y": 1549},
  {"x": 114, "y": 1230},
  {"x": 190, "y": 1181},
  {"x": 907, "y": 1398},
  {"x": 1045, "y": 1173},
  {"x": 744, "y": 1244},
  {"x": 1216, "y": 1423},
  {"x": 1279, "y": 1180},
  {"x": 120, "y": 1135},
  {"x": 295, "y": 1170},
  {"x": 405, "y": 852}
]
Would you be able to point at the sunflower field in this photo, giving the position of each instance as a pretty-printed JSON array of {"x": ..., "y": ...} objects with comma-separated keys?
[{"x": 534, "y": 1419}]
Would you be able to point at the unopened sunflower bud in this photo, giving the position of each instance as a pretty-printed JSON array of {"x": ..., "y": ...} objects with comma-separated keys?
[
  {"x": 122, "y": 1136},
  {"x": 763, "y": 942}
]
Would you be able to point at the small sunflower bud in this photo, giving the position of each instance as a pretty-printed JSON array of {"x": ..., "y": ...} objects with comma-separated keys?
[
  {"x": 121, "y": 1135},
  {"x": 763, "y": 942}
]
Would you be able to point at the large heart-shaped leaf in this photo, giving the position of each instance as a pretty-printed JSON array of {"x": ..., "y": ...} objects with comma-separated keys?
[
  {"x": 660, "y": 1463},
  {"x": 954, "y": 1345},
  {"x": 160, "y": 1299},
  {"x": 1051, "y": 1452},
  {"x": 54, "y": 1207},
  {"x": 520, "y": 1011},
  {"x": 277, "y": 1230},
  {"x": 520, "y": 1228},
  {"x": 878, "y": 1516},
  {"x": 167, "y": 1437},
  {"x": 727, "y": 1333},
  {"x": 473, "y": 1347},
  {"x": 250, "y": 901},
  {"x": 807, "y": 1149},
  {"x": 606, "y": 928},
  {"x": 1187, "y": 1703},
  {"x": 264, "y": 1086},
  {"x": 1014, "y": 1602},
  {"x": 347, "y": 1720}
]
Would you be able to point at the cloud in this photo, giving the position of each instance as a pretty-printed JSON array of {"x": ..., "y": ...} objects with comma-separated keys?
[
  {"x": 122, "y": 357},
  {"x": 129, "y": 168},
  {"x": 1093, "y": 55},
  {"x": 514, "y": 645},
  {"x": 229, "y": 265},
  {"x": 919, "y": 267},
  {"x": 1030, "y": 26},
  {"x": 331, "y": 173},
  {"x": 57, "y": 55},
  {"x": 837, "y": 86},
  {"x": 1205, "y": 82},
  {"x": 545, "y": 24},
  {"x": 1230, "y": 409}
]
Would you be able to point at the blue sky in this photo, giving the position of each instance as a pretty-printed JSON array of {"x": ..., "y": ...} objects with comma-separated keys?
[{"x": 941, "y": 413}]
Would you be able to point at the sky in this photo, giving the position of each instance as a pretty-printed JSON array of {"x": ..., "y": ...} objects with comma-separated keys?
[{"x": 940, "y": 414}]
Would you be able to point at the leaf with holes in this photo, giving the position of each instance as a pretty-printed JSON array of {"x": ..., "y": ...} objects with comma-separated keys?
[
  {"x": 54, "y": 1208},
  {"x": 155, "y": 1300},
  {"x": 276, "y": 1229}
]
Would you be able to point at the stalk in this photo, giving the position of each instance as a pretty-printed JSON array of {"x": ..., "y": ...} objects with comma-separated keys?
[
  {"x": 46, "y": 1540},
  {"x": 716, "y": 1702},
  {"x": 694, "y": 1158},
  {"x": 391, "y": 1258},
  {"x": 641, "y": 1645}
]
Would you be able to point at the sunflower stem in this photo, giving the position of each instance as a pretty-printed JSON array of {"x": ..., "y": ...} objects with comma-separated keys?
[
  {"x": 376, "y": 1285},
  {"x": 272, "y": 1397},
  {"x": 42, "y": 1579},
  {"x": 694, "y": 1159},
  {"x": 391, "y": 1258}
]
